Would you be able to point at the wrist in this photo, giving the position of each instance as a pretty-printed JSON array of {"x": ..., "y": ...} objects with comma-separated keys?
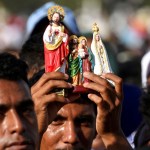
[{"x": 115, "y": 140}]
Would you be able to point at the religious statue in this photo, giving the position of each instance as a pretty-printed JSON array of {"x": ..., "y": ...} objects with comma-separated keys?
[
  {"x": 74, "y": 61},
  {"x": 102, "y": 64},
  {"x": 86, "y": 56},
  {"x": 55, "y": 41},
  {"x": 72, "y": 55}
]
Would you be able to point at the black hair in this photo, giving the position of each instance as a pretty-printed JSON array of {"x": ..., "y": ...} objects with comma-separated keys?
[
  {"x": 40, "y": 26},
  {"x": 85, "y": 100},
  {"x": 36, "y": 77},
  {"x": 32, "y": 51},
  {"x": 142, "y": 135},
  {"x": 12, "y": 68},
  {"x": 145, "y": 106}
]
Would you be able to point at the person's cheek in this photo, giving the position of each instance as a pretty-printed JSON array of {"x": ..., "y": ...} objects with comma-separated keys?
[
  {"x": 53, "y": 135},
  {"x": 88, "y": 136}
]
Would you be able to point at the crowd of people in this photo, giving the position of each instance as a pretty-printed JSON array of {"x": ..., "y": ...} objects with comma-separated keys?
[
  {"x": 33, "y": 116},
  {"x": 52, "y": 121}
]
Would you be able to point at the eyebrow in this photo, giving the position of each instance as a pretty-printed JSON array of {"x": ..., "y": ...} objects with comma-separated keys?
[
  {"x": 3, "y": 108},
  {"x": 81, "y": 116},
  {"x": 21, "y": 104},
  {"x": 25, "y": 103},
  {"x": 88, "y": 116},
  {"x": 59, "y": 117}
]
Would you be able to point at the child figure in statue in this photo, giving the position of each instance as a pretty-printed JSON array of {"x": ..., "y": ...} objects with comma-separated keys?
[
  {"x": 86, "y": 56},
  {"x": 55, "y": 41},
  {"x": 102, "y": 64}
]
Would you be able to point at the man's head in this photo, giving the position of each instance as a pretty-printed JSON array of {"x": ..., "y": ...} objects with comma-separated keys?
[
  {"x": 18, "y": 122},
  {"x": 32, "y": 53},
  {"x": 142, "y": 136},
  {"x": 145, "y": 106},
  {"x": 73, "y": 128}
]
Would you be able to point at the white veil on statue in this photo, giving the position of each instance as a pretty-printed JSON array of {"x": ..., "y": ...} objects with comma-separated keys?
[{"x": 102, "y": 64}]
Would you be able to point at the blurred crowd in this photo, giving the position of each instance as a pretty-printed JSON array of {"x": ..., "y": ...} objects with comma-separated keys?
[
  {"x": 126, "y": 35},
  {"x": 126, "y": 28}
]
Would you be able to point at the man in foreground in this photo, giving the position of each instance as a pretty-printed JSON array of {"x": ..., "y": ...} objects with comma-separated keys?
[
  {"x": 63, "y": 122},
  {"x": 72, "y": 122},
  {"x": 18, "y": 123}
]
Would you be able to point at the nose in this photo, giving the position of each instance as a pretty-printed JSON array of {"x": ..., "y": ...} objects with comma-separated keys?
[
  {"x": 57, "y": 18},
  {"x": 70, "y": 135},
  {"x": 15, "y": 123}
]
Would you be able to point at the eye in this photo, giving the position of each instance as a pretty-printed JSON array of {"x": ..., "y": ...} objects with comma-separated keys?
[
  {"x": 3, "y": 111},
  {"x": 59, "y": 120},
  {"x": 85, "y": 121},
  {"x": 2, "y": 115},
  {"x": 27, "y": 110}
]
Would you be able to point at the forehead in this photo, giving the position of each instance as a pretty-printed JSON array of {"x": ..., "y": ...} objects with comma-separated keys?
[
  {"x": 56, "y": 14},
  {"x": 12, "y": 92},
  {"x": 77, "y": 109},
  {"x": 75, "y": 39},
  {"x": 83, "y": 40}
]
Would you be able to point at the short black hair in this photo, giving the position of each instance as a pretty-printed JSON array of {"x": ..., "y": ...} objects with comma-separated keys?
[
  {"x": 36, "y": 77},
  {"x": 32, "y": 51},
  {"x": 142, "y": 135},
  {"x": 144, "y": 106},
  {"x": 12, "y": 68}
]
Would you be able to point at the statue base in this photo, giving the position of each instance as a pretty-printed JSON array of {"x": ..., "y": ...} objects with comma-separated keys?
[{"x": 80, "y": 89}]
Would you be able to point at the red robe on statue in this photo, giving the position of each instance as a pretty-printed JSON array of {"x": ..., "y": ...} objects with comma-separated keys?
[{"x": 55, "y": 51}]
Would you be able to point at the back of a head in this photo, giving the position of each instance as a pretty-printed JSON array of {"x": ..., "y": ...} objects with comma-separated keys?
[
  {"x": 12, "y": 68},
  {"x": 145, "y": 106},
  {"x": 32, "y": 51},
  {"x": 142, "y": 136}
]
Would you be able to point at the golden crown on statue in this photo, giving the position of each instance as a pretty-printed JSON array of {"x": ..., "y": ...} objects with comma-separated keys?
[{"x": 56, "y": 9}]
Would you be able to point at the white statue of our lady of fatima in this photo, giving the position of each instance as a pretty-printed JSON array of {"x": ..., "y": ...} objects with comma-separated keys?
[{"x": 102, "y": 64}]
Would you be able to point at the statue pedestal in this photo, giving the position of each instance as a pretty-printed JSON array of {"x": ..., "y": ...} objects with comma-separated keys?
[{"x": 80, "y": 89}]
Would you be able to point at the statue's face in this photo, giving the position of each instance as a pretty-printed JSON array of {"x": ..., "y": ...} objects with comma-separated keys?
[
  {"x": 97, "y": 37},
  {"x": 56, "y": 17},
  {"x": 75, "y": 41},
  {"x": 83, "y": 42}
]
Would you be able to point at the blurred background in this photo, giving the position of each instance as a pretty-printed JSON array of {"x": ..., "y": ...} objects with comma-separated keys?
[{"x": 124, "y": 24}]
